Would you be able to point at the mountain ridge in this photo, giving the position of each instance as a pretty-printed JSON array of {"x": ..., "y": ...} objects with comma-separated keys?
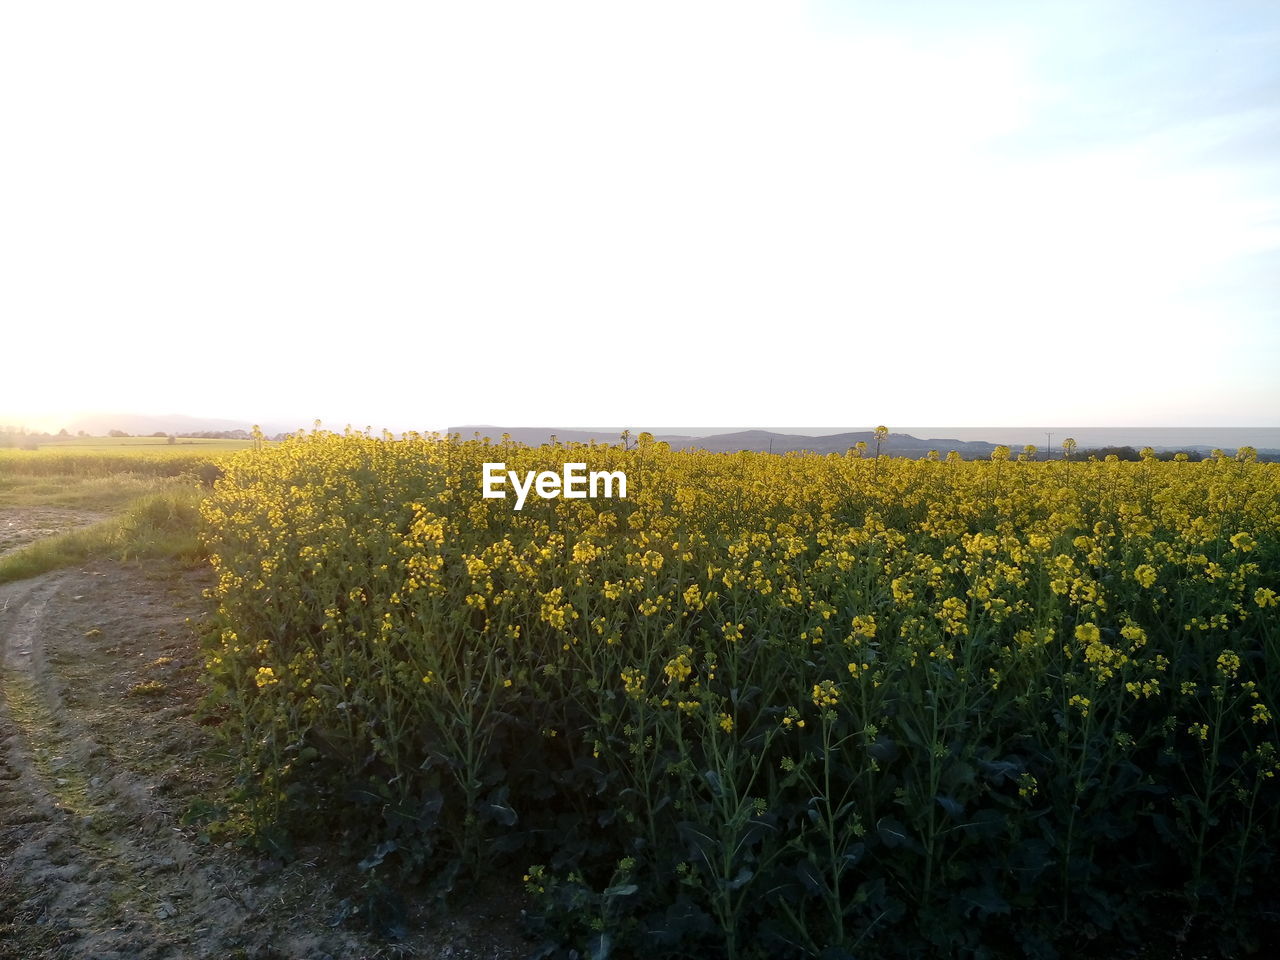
[
  {"x": 767, "y": 441},
  {"x": 754, "y": 439}
]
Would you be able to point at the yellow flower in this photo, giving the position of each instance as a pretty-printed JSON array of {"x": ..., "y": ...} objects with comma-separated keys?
[
  {"x": 1028, "y": 786},
  {"x": 864, "y": 625},
  {"x": 679, "y": 667},
  {"x": 1135, "y": 634},
  {"x": 1143, "y": 689},
  {"x": 533, "y": 879},
  {"x": 633, "y": 682},
  {"x": 1088, "y": 633},
  {"x": 1228, "y": 664},
  {"x": 953, "y": 615},
  {"x": 1243, "y": 542},
  {"x": 825, "y": 694},
  {"x": 1145, "y": 574}
]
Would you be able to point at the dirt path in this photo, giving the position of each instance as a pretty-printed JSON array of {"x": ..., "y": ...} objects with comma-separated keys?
[
  {"x": 101, "y": 755},
  {"x": 22, "y": 525}
]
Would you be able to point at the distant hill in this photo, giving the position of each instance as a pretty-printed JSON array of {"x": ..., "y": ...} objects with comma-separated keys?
[
  {"x": 145, "y": 424},
  {"x": 762, "y": 441},
  {"x": 896, "y": 445},
  {"x": 536, "y": 436},
  {"x": 767, "y": 441}
]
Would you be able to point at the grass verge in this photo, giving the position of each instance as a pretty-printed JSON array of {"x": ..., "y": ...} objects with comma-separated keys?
[
  {"x": 159, "y": 525},
  {"x": 103, "y": 494}
]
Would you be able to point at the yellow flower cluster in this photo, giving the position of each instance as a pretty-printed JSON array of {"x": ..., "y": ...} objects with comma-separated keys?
[
  {"x": 370, "y": 571},
  {"x": 633, "y": 682},
  {"x": 679, "y": 667},
  {"x": 1145, "y": 574},
  {"x": 826, "y": 694}
]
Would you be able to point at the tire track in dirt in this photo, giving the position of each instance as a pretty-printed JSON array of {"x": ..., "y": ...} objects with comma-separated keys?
[
  {"x": 104, "y": 858},
  {"x": 101, "y": 754}
]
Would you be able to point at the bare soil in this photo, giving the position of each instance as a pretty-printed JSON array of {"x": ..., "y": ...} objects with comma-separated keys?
[
  {"x": 22, "y": 525},
  {"x": 102, "y": 752}
]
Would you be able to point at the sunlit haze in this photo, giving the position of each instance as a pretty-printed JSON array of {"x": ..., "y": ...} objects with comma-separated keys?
[{"x": 417, "y": 215}]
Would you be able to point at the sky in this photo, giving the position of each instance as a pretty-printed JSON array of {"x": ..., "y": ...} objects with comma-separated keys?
[{"x": 414, "y": 215}]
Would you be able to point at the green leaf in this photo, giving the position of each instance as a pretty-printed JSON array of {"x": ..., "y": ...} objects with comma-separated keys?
[
  {"x": 997, "y": 771},
  {"x": 883, "y": 749},
  {"x": 600, "y": 946},
  {"x": 810, "y": 877},
  {"x": 985, "y": 823},
  {"x": 953, "y": 809},
  {"x": 379, "y": 854},
  {"x": 501, "y": 813},
  {"x": 742, "y": 879},
  {"x": 985, "y": 900},
  {"x": 892, "y": 832}
]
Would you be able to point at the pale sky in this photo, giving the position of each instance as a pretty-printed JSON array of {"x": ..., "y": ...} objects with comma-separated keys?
[{"x": 754, "y": 213}]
